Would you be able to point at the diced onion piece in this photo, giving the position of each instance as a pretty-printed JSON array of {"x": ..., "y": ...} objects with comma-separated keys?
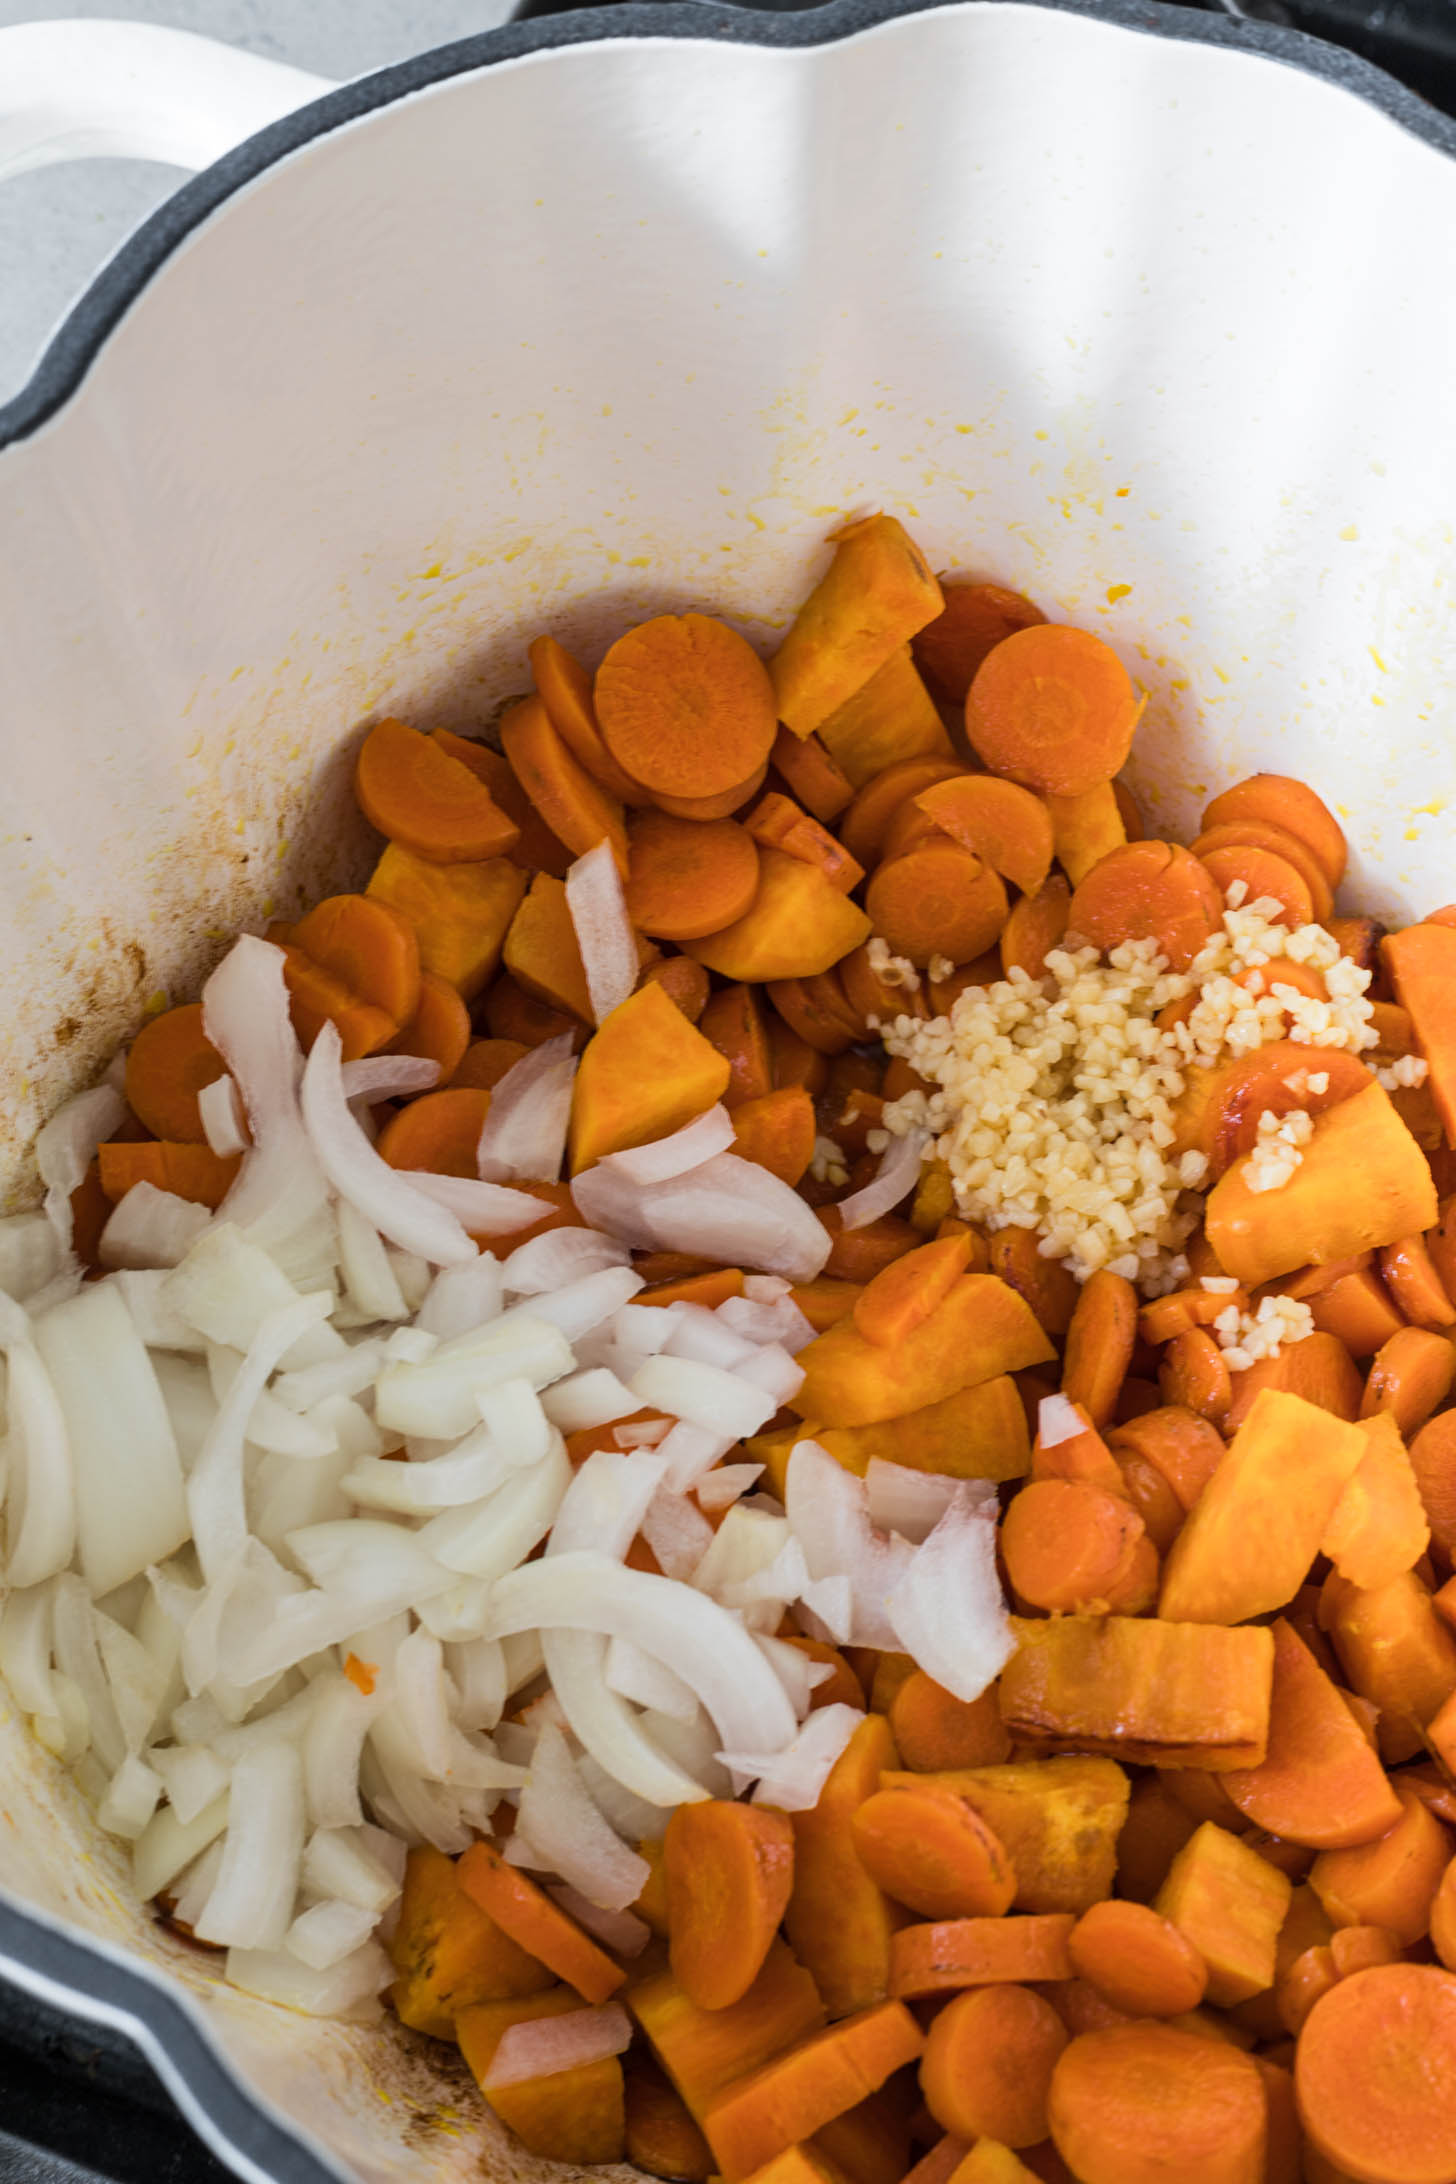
[
  {"x": 515, "y": 1420},
  {"x": 441, "y": 1482},
  {"x": 779, "y": 1320},
  {"x": 384, "y": 1195},
  {"x": 703, "y": 1395},
  {"x": 543, "y": 2046},
  {"x": 339, "y": 1722},
  {"x": 388, "y": 1076},
  {"x": 489, "y": 1538},
  {"x": 691, "y": 1452},
  {"x": 898, "y": 1172},
  {"x": 677, "y": 1532},
  {"x": 909, "y": 1502},
  {"x": 620, "y": 1931},
  {"x": 708, "y": 1340},
  {"x": 251, "y": 1905},
  {"x": 245, "y": 1013},
  {"x": 584, "y": 1400},
  {"x": 524, "y": 1133},
  {"x": 792, "y": 1779},
  {"x": 342, "y": 1865},
  {"x": 798, "y": 1672},
  {"x": 167, "y": 1845},
  {"x": 485, "y": 1209},
  {"x": 40, "y": 1488},
  {"x": 224, "y": 1124},
  {"x": 215, "y": 1497},
  {"x": 773, "y": 1370},
  {"x": 365, "y": 1265},
  {"x": 728, "y": 1209},
  {"x": 699, "y": 1140},
  {"x": 419, "y": 1694},
  {"x": 561, "y": 1255},
  {"x": 462, "y": 1298},
  {"x": 722, "y": 1486},
  {"x": 559, "y": 1816},
  {"x": 637, "y": 1676},
  {"x": 150, "y": 1228},
  {"x": 132, "y": 1796},
  {"x": 947, "y": 1609},
  {"x": 644, "y": 1433},
  {"x": 604, "y": 932},
  {"x": 67, "y": 1145},
  {"x": 1057, "y": 1421},
  {"x": 343, "y": 1990},
  {"x": 228, "y": 1285},
  {"x": 478, "y": 1670},
  {"x": 440, "y": 1396},
  {"x": 192, "y": 1776},
  {"x": 326, "y": 1933},
  {"x": 579, "y": 1306},
  {"x": 605, "y": 1503},
  {"x": 827, "y": 1508}
]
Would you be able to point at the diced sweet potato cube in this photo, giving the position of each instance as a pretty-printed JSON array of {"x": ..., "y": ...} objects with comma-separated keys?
[
  {"x": 1230, "y": 1903},
  {"x": 1163, "y": 1694},
  {"x": 646, "y": 1073},
  {"x": 450, "y": 1955},
  {"x": 1057, "y": 1819},
  {"x": 983, "y": 1329}
]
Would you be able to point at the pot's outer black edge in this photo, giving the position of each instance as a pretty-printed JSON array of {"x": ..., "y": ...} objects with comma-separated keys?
[{"x": 74, "y": 347}]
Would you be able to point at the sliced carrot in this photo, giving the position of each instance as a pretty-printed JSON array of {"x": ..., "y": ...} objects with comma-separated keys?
[
  {"x": 986, "y": 970},
  {"x": 935, "y": 1730},
  {"x": 810, "y": 773},
  {"x": 573, "y": 2115},
  {"x": 988, "y": 2065},
  {"x": 685, "y": 705},
  {"x": 930, "y": 1849},
  {"x": 869, "y": 818},
  {"x": 1254, "y": 834},
  {"x": 485, "y": 1061},
  {"x": 709, "y": 1289},
  {"x": 1375, "y": 2074},
  {"x": 1174, "y": 1314},
  {"x": 1433, "y": 1459},
  {"x": 1396, "y": 1651},
  {"x": 1081, "y": 1454},
  {"x": 187, "y": 1171},
  {"x": 1391, "y": 1881},
  {"x": 1140, "y": 2103},
  {"x": 1192, "y": 1376},
  {"x": 891, "y": 717},
  {"x": 1278, "y": 801},
  {"x": 517, "y": 1016},
  {"x": 1443, "y": 1918},
  {"x": 1319, "y": 1369},
  {"x": 662, "y": 2137},
  {"x": 1264, "y": 877},
  {"x": 459, "y": 912},
  {"x": 1320, "y": 1783},
  {"x": 448, "y": 1952},
  {"x": 316, "y": 998},
  {"x": 955, "y": 1953},
  {"x": 1148, "y": 891},
  {"x": 973, "y": 621},
  {"x": 414, "y": 792},
  {"x": 907, "y": 1291},
  {"x": 1127, "y": 805},
  {"x": 1068, "y": 1545},
  {"x": 799, "y": 925},
  {"x": 721, "y": 805},
  {"x": 826, "y": 1301},
  {"x": 438, "y": 1132},
  {"x": 169, "y": 1062},
  {"x": 938, "y": 899},
  {"x": 1410, "y": 1376},
  {"x": 818, "y": 1013},
  {"x": 1219, "y": 1113},
  {"x": 688, "y": 879},
  {"x": 733, "y": 1022},
  {"x": 90, "y": 1212},
  {"x": 876, "y": 594},
  {"x": 1045, "y": 1283},
  {"x": 1054, "y": 708},
  {"x": 1138, "y": 1960},
  {"x": 685, "y": 983},
  {"x": 529, "y": 1916},
  {"x": 730, "y": 1871},
  {"x": 703, "y": 2051},
  {"x": 1146, "y": 1488},
  {"x": 369, "y": 946},
  {"x": 565, "y": 689},
  {"x": 1156, "y": 1828},
  {"x": 439, "y": 1029},
  {"x": 1356, "y": 1948},
  {"x": 1409, "y": 1273},
  {"x": 576, "y": 808},
  {"x": 1008, "y": 827},
  {"x": 1420, "y": 962},
  {"x": 538, "y": 849},
  {"x": 777, "y": 1132},
  {"x": 1378, "y": 1529},
  {"x": 1358, "y": 1312},
  {"x": 1037, "y": 924},
  {"x": 787, "y": 2100},
  {"x": 782, "y": 824},
  {"x": 1099, "y": 1344},
  {"x": 1086, "y": 829}
]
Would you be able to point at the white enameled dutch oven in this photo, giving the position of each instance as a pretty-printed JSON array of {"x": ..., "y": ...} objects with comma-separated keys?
[{"x": 1147, "y": 313}]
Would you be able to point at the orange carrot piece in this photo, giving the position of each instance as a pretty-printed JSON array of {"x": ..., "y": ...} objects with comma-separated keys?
[
  {"x": 938, "y": 899},
  {"x": 1265, "y": 877},
  {"x": 1357, "y": 1310},
  {"x": 1378, "y": 1528},
  {"x": 1149, "y": 1492},
  {"x": 646, "y": 1073},
  {"x": 1443, "y": 1918},
  {"x": 1005, "y": 825},
  {"x": 1410, "y": 1376},
  {"x": 459, "y": 912},
  {"x": 538, "y": 849},
  {"x": 1146, "y": 1691},
  {"x": 1395, "y": 1651},
  {"x": 439, "y": 1029},
  {"x": 983, "y": 1952},
  {"x": 1148, "y": 891},
  {"x": 787, "y": 2100},
  {"x": 1085, "y": 829},
  {"x": 1193, "y": 1376},
  {"x": 782, "y": 824},
  {"x": 1141, "y": 2103},
  {"x": 576, "y": 808},
  {"x": 1219, "y": 1115},
  {"x": 858, "y": 1255},
  {"x": 517, "y": 1016},
  {"x": 1433, "y": 1459},
  {"x": 689, "y": 879},
  {"x": 529, "y": 1916},
  {"x": 485, "y": 1062},
  {"x": 1421, "y": 962},
  {"x": 978, "y": 1433},
  {"x": 989, "y": 2061},
  {"x": 662, "y": 2137},
  {"x": 316, "y": 997},
  {"x": 1082, "y": 1455},
  {"x": 1375, "y": 2074},
  {"x": 730, "y": 1870},
  {"x": 841, "y": 1686},
  {"x": 1256, "y": 834},
  {"x": 935, "y": 1730},
  {"x": 929, "y": 1849},
  {"x": 169, "y": 1062},
  {"x": 811, "y": 773},
  {"x": 571, "y": 2115},
  {"x": 877, "y": 801},
  {"x": 449, "y": 1953},
  {"x": 1165, "y": 1317},
  {"x": 1139, "y": 1961},
  {"x": 187, "y": 1171},
  {"x": 1099, "y": 1344},
  {"x": 685, "y": 983},
  {"x": 906, "y": 1292},
  {"x": 989, "y": 2162},
  {"x": 1320, "y": 1783},
  {"x": 1156, "y": 1828},
  {"x": 565, "y": 689},
  {"x": 1069, "y": 1546},
  {"x": 416, "y": 794},
  {"x": 1045, "y": 1283},
  {"x": 875, "y": 595},
  {"x": 709, "y": 1290},
  {"x": 838, "y": 1919},
  {"x": 1037, "y": 924},
  {"x": 439, "y": 1131},
  {"x": 1355, "y": 1948},
  {"x": 1278, "y": 801},
  {"x": 733, "y": 1022},
  {"x": 776, "y": 1131},
  {"x": 685, "y": 705},
  {"x": 1391, "y": 1881},
  {"x": 703, "y": 2051},
  {"x": 799, "y": 924},
  {"x": 1319, "y": 1369},
  {"x": 1054, "y": 708},
  {"x": 721, "y": 805},
  {"x": 973, "y": 621}
]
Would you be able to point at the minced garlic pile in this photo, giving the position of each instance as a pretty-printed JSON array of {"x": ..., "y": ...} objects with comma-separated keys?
[
  {"x": 1054, "y": 1100},
  {"x": 1245, "y": 1337}
]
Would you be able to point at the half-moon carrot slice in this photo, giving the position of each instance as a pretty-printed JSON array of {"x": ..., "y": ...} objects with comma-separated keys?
[
  {"x": 812, "y": 775},
  {"x": 439, "y": 1030},
  {"x": 733, "y": 1022},
  {"x": 369, "y": 946},
  {"x": 512, "y": 1013},
  {"x": 687, "y": 878},
  {"x": 720, "y": 806},
  {"x": 1054, "y": 708},
  {"x": 170, "y": 1061},
  {"x": 1003, "y": 823},
  {"x": 1256, "y": 834},
  {"x": 1277, "y": 800},
  {"x": 539, "y": 1926},
  {"x": 1264, "y": 876},
  {"x": 577, "y": 809},
  {"x": 776, "y": 1131},
  {"x": 937, "y": 900},
  {"x": 892, "y": 716},
  {"x": 187, "y": 1171},
  {"x": 782, "y": 824},
  {"x": 438, "y": 1132},
  {"x": 1086, "y": 829},
  {"x": 1192, "y": 1376},
  {"x": 928, "y": 1848},
  {"x": 316, "y": 997},
  {"x": 485, "y": 1061},
  {"x": 566, "y": 692},
  {"x": 730, "y": 1872},
  {"x": 413, "y": 791},
  {"x": 1036, "y": 925},
  {"x": 974, "y": 620},
  {"x": 1148, "y": 891},
  {"x": 868, "y": 819},
  {"x": 1137, "y": 1959},
  {"x": 685, "y": 705},
  {"x": 1099, "y": 1344},
  {"x": 538, "y": 849},
  {"x": 686, "y": 983}
]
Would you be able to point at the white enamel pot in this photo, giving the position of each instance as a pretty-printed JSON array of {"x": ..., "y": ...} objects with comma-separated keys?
[{"x": 1148, "y": 313}]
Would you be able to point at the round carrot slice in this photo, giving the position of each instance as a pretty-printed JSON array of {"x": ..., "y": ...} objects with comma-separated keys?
[
  {"x": 1037, "y": 925},
  {"x": 1066, "y": 1543},
  {"x": 1137, "y": 1960},
  {"x": 937, "y": 900},
  {"x": 1142, "y": 2103},
  {"x": 577, "y": 809},
  {"x": 719, "y": 806},
  {"x": 929, "y": 1848},
  {"x": 1375, "y": 2074},
  {"x": 1265, "y": 877},
  {"x": 685, "y": 982},
  {"x": 730, "y": 1871},
  {"x": 1053, "y": 708},
  {"x": 485, "y": 1061},
  {"x": 989, "y": 2063},
  {"x": 1276, "y": 800},
  {"x": 1148, "y": 891},
  {"x": 1254, "y": 834},
  {"x": 439, "y": 1132},
  {"x": 413, "y": 791},
  {"x": 867, "y": 822},
  {"x": 685, "y": 705},
  {"x": 439, "y": 1030},
  {"x": 369, "y": 947},
  {"x": 1131, "y": 816},
  {"x": 1003, "y": 823},
  {"x": 170, "y": 1061},
  {"x": 566, "y": 692},
  {"x": 974, "y": 620},
  {"x": 688, "y": 878}
]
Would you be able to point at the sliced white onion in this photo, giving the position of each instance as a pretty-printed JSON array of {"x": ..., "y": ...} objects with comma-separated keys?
[
  {"x": 478, "y": 1671},
  {"x": 691, "y": 1452},
  {"x": 558, "y": 1814},
  {"x": 347, "y": 1989},
  {"x": 620, "y": 1931},
  {"x": 488, "y": 1538},
  {"x": 224, "y": 1123},
  {"x": 31, "y": 1254},
  {"x": 703, "y": 1395},
  {"x": 722, "y": 1486},
  {"x": 604, "y": 931},
  {"x": 215, "y": 1497},
  {"x": 440, "y": 1396},
  {"x": 25, "y": 1649},
  {"x": 605, "y": 1503},
  {"x": 146, "y": 1295},
  {"x": 643, "y": 1330},
  {"x": 708, "y": 1340},
  {"x": 516, "y": 1420},
  {"x": 423, "y": 1811},
  {"x": 340, "y": 1720},
  {"x": 270, "y": 1424},
  {"x": 581, "y": 1305},
  {"x": 422, "y": 1489},
  {"x": 389, "y": 1076},
  {"x": 644, "y": 1433},
  {"x": 149, "y": 1228},
  {"x": 524, "y": 1134},
  {"x": 350, "y": 1374},
  {"x": 245, "y": 1014},
  {"x": 677, "y": 1532},
  {"x": 193, "y": 1777},
  {"x": 343, "y": 1865},
  {"x": 792, "y": 1779},
  {"x": 485, "y": 1209},
  {"x": 584, "y": 1400},
  {"x": 326, "y": 1933},
  {"x": 383, "y": 1195},
  {"x": 828, "y": 1510},
  {"x": 463, "y": 1298},
  {"x": 778, "y": 1321},
  {"x": 947, "y": 1610},
  {"x": 40, "y": 1493},
  {"x": 541, "y": 2047},
  {"x": 638, "y": 1677},
  {"x": 136, "y": 1678},
  {"x": 1058, "y": 1419},
  {"x": 413, "y": 1274},
  {"x": 365, "y": 1265},
  {"x": 909, "y": 1502},
  {"x": 132, "y": 1796},
  {"x": 548, "y": 1262},
  {"x": 459, "y": 1616},
  {"x": 729, "y": 1209},
  {"x": 167, "y": 1845},
  {"x": 898, "y": 1173},
  {"x": 748, "y": 1544},
  {"x": 251, "y": 1905},
  {"x": 798, "y": 1671},
  {"x": 419, "y": 1693},
  {"x": 709, "y": 1133},
  {"x": 227, "y": 1285},
  {"x": 195, "y": 1885},
  {"x": 67, "y": 1145}
]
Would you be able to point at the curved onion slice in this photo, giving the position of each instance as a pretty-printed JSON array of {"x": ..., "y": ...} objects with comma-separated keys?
[
  {"x": 793, "y": 1778},
  {"x": 224, "y": 1124},
  {"x": 898, "y": 1171},
  {"x": 708, "y": 1647},
  {"x": 697, "y": 1141},
  {"x": 486, "y": 1209},
  {"x": 382, "y": 1194},
  {"x": 604, "y": 932},
  {"x": 546, "y": 2045},
  {"x": 386, "y": 1076},
  {"x": 524, "y": 1134},
  {"x": 41, "y": 1494},
  {"x": 828, "y": 1510},
  {"x": 728, "y": 1209},
  {"x": 65, "y": 1147},
  {"x": 245, "y": 1014},
  {"x": 947, "y": 1609},
  {"x": 251, "y": 1904},
  {"x": 151, "y": 1228},
  {"x": 560, "y": 1256},
  {"x": 215, "y": 1499},
  {"x": 562, "y": 1819}
]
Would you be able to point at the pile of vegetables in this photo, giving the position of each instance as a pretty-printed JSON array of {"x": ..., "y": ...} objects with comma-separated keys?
[{"x": 523, "y": 1496}]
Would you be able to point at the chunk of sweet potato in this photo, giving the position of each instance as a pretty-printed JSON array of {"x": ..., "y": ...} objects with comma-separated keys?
[
  {"x": 982, "y": 1329},
  {"x": 646, "y": 1073}
]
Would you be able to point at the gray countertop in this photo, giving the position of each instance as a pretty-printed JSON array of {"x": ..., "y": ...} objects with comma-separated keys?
[{"x": 58, "y": 224}]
